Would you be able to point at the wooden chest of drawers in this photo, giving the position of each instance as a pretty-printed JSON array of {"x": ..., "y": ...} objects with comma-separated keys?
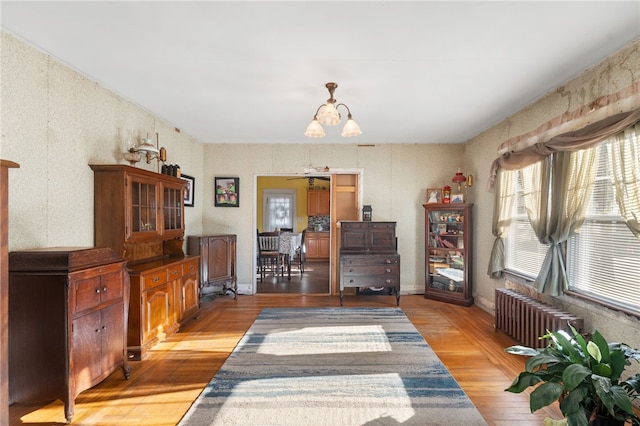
[
  {"x": 68, "y": 317},
  {"x": 368, "y": 257}
]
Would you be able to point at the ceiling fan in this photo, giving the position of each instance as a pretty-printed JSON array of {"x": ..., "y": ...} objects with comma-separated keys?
[{"x": 311, "y": 179}]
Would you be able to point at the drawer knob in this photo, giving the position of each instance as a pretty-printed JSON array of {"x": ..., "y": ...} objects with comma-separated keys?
[
  {"x": 97, "y": 291},
  {"x": 351, "y": 281},
  {"x": 191, "y": 267},
  {"x": 388, "y": 270},
  {"x": 350, "y": 270},
  {"x": 155, "y": 279},
  {"x": 388, "y": 281},
  {"x": 104, "y": 289},
  {"x": 174, "y": 272},
  {"x": 387, "y": 261}
]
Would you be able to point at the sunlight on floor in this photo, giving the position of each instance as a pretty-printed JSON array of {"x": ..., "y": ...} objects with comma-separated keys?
[{"x": 299, "y": 343}]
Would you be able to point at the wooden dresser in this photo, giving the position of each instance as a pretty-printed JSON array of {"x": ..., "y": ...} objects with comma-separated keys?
[
  {"x": 68, "y": 312},
  {"x": 368, "y": 257},
  {"x": 217, "y": 260},
  {"x": 140, "y": 214}
]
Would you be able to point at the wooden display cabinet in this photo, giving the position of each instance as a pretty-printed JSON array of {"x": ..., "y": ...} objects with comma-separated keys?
[
  {"x": 140, "y": 214},
  {"x": 448, "y": 246},
  {"x": 318, "y": 203}
]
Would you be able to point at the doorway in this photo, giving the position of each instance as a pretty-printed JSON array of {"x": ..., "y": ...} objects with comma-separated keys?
[{"x": 282, "y": 203}]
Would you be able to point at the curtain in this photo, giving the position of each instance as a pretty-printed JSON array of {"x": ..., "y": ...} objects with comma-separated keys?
[
  {"x": 556, "y": 196},
  {"x": 625, "y": 161},
  {"x": 502, "y": 207},
  {"x": 572, "y": 141}
]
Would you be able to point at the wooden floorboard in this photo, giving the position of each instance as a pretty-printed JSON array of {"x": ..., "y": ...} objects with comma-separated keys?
[{"x": 164, "y": 385}]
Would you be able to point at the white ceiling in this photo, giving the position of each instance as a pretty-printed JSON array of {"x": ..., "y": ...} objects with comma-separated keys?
[{"x": 254, "y": 72}]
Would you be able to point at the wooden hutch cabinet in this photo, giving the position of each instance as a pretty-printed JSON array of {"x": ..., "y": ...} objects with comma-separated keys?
[
  {"x": 140, "y": 214},
  {"x": 448, "y": 253},
  {"x": 368, "y": 256},
  {"x": 318, "y": 203},
  {"x": 217, "y": 260},
  {"x": 68, "y": 309}
]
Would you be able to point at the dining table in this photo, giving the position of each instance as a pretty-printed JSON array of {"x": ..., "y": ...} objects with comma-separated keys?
[{"x": 289, "y": 243}]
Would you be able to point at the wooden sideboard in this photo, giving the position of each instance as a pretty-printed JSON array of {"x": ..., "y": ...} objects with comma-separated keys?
[
  {"x": 68, "y": 309},
  {"x": 368, "y": 257},
  {"x": 140, "y": 214},
  {"x": 217, "y": 254},
  {"x": 5, "y": 165},
  {"x": 164, "y": 294}
]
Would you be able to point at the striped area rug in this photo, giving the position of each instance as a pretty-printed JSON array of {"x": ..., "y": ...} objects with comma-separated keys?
[{"x": 332, "y": 366}]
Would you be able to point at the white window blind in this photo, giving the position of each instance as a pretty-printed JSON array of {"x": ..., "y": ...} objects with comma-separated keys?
[
  {"x": 603, "y": 260},
  {"x": 524, "y": 254}
]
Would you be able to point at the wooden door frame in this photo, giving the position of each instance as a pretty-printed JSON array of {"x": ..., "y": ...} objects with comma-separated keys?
[{"x": 333, "y": 255}]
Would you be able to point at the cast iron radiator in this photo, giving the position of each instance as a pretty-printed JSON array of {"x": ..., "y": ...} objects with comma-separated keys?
[{"x": 525, "y": 319}]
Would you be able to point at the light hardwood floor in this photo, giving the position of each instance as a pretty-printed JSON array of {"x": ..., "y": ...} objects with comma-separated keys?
[{"x": 163, "y": 386}]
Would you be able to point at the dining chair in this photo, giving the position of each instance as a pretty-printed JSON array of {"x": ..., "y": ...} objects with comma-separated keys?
[
  {"x": 301, "y": 251},
  {"x": 269, "y": 255}
]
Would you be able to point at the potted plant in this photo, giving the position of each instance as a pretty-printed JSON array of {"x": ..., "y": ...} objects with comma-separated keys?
[{"x": 583, "y": 374}]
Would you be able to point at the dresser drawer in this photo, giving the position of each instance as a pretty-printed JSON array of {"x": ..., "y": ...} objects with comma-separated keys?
[
  {"x": 174, "y": 272},
  {"x": 373, "y": 259},
  {"x": 371, "y": 281},
  {"x": 153, "y": 279},
  {"x": 362, "y": 270},
  {"x": 189, "y": 267}
]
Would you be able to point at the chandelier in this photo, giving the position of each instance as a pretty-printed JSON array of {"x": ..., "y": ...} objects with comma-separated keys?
[{"x": 328, "y": 115}]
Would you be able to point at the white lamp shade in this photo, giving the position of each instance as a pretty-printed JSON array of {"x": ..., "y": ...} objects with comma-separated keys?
[
  {"x": 147, "y": 146},
  {"x": 350, "y": 129},
  {"x": 314, "y": 130},
  {"x": 328, "y": 115}
]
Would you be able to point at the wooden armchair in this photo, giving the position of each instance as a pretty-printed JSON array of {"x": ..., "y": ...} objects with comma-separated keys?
[{"x": 269, "y": 256}]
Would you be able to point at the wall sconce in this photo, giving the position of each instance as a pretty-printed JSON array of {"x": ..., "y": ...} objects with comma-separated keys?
[
  {"x": 328, "y": 114},
  {"x": 146, "y": 149},
  {"x": 460, "y": 179}
]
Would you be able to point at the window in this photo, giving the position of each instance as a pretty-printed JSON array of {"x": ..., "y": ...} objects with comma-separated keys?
[
  {"x": 279, "y": 209},
  {"x": 524, "y": 254},
  {"x": 603, "y": 258}
]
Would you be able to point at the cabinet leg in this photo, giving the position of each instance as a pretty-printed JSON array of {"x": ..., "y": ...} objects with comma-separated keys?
[
  {"x": 341, "y": 294},
  {"x": 397, "y": 296}
]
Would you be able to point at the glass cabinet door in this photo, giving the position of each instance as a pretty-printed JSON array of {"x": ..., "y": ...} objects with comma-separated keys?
[
  {"x": 144, "y": 204},
  {"x": 173, "y": 199},
  {"x": 448, "y": 252}
]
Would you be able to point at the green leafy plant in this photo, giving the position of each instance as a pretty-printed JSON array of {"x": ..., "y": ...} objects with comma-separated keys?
[{"x": 583, "y": 374}]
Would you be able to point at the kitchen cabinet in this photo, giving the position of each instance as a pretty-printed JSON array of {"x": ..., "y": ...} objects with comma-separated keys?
[
  {"x": 140, "y": 214},
  {"x": 369, "y": 258},
  {"x": 217, "y": 260},
  {"x": 317, "y": 245},
  {"x": 68, "y": 310},
  {"x": 448, "y": 246},
  {"x": 318, "y": 203}
]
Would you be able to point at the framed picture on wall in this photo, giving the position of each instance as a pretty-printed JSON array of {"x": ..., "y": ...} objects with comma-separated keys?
[
  {"x": 434, "y": 195},
  {"x": 188, "y": 190},
  {"x": 227, "y": 192}
]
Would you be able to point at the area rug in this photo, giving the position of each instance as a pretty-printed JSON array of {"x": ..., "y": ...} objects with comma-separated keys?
[{"x": 332, "y": 366}]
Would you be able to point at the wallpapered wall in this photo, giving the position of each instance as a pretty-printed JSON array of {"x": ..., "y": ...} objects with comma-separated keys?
[{"x": 56, "y": 122}]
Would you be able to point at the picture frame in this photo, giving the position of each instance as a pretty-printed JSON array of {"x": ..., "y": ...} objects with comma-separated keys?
[
  {"x": 434, "y": 195},
  {"x": 226, "y": 191},
  {"x": 189, "y": 189},
  {"x": 457, "y": 198}
]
